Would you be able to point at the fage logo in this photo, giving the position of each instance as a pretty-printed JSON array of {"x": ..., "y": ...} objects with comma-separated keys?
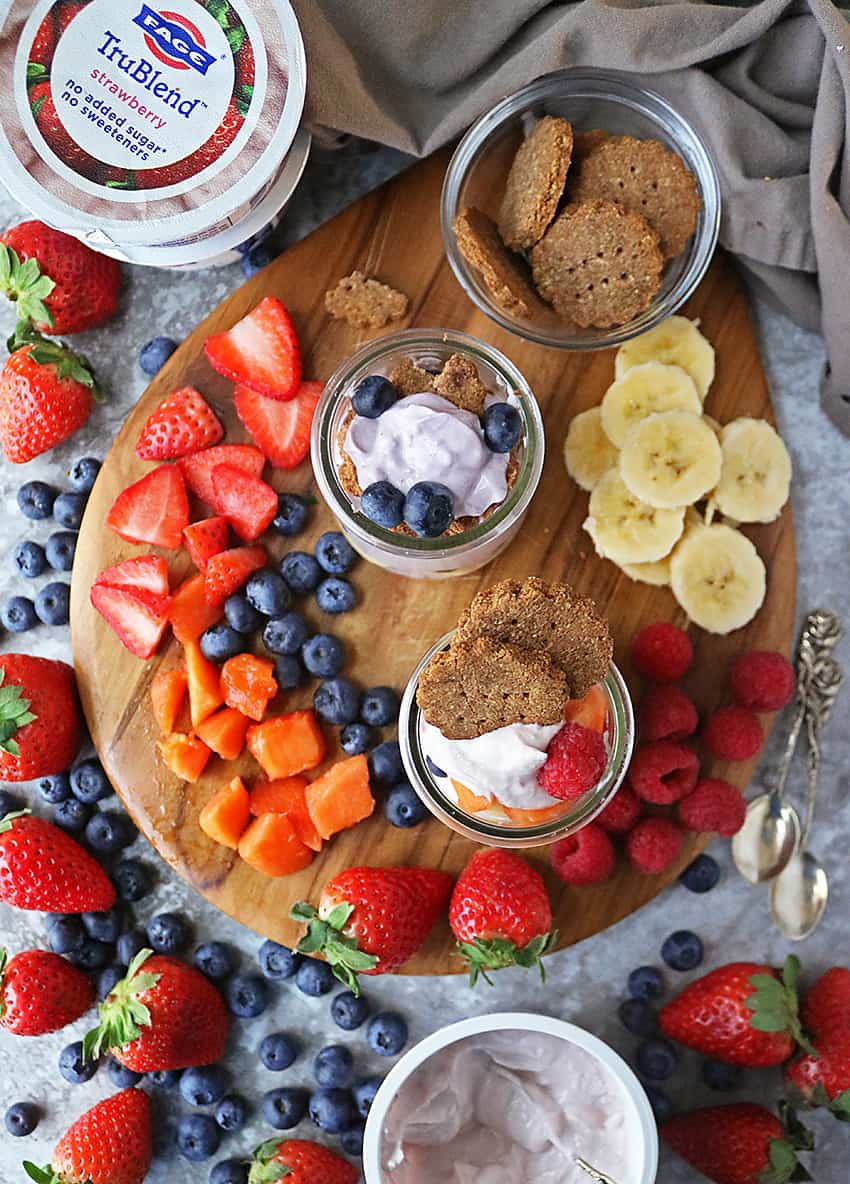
[{"x": 174, "y": 40}]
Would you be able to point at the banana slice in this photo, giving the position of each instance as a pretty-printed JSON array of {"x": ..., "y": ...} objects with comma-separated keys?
[
  {"x": 627, "y": 530},
  {"x": 658, "y": 574},
  {"x": 643, "y": 390},
  {"x": 588, "y": 453},
  {"x": 716, "y": 427},
  {"x": 718, "y": 578},
  {"x": 675, "y": 342},
  {"x": 670, "y": 459},
  {"x": 756, "y": 473}
]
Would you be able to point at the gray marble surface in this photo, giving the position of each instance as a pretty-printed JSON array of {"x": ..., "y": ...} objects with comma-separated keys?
[{"x": 585, "y": 983}]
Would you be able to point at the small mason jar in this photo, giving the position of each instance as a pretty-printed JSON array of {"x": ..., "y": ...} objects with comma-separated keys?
[
  {"x": 450, "y": 554},
  {"x": 492, "y": 826}
]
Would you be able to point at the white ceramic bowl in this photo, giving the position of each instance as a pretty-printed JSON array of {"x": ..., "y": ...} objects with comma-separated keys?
[{"x": 645, "y": 1164}]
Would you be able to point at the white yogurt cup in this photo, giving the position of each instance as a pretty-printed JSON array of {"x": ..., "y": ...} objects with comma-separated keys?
[
  {"x": 159, "y": 133},
  {"x": 642, "y": 1133}
]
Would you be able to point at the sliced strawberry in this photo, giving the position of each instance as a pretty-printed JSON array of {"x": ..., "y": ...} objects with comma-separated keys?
[
  {"x": 280, "y": 430},
  {"x": 182, "y": 424},
  {"x": 146, "y": 572},
  {"x": 260, "y": 351},
  {"x": 138, "y": 617},
  {"x": 197, "y": 469},
  {"x": 229, "y": 570},
  {"x": 190, "y": 614},
  {"x": 153, "y": 510},
  {"x": 247, "y": 502},
  {"x": 205, "y": 539}
]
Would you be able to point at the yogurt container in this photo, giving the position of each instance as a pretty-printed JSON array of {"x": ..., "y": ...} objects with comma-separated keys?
[{"x": 162, "y": 134}]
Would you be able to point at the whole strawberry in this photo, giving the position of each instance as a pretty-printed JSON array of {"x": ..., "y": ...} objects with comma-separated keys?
[
  {"x": 40, "y": 726},
  {"x": 823, "y": 1073},
  {"x": 743, "y": 1013},
  {"x": 739, "y": 1144},
  {"x": 299, "y": 1161},
  {"x": 500, "y": 914},
  {"x": 109, "y": 1144},
  {"x": 41, "y": 992},
  {"x": 57, "y": 282},
  {"x": 370, "y": 920},
  {"x": 43, "y": 868},
  {"x": 163, "y": 1014}
]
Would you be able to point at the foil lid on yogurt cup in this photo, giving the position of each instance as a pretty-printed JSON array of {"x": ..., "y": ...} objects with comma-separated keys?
[{"x": 128, "y": 122}]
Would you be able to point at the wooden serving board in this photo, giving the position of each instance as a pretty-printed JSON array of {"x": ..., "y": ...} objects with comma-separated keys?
[{"x": 394, "y": 233}]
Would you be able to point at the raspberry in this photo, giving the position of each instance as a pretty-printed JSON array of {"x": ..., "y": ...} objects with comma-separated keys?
[
  {"x": 621, "y": 813},
  {"x": 662, "y": 652},
  {"x": 763, "y": 681},
  {"x": 667, "y": 713},
  {"x": 576, "y": 759},
  {"x": 587, "y": 857},
  {"x": 714, "y": 806},
  {"x": 654, "y": 845},
  {"x": 663, "y": 772},
  {"x": 733, "y": 734}
]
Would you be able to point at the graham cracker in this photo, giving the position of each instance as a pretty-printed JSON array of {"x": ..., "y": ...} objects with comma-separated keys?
[
  {"x": 410, "y": 379},
  {"x": 535, "y": 183},
  {"x": 364, "y": 302},
  {"x": 506, "y": 276},
  {"x": 459, "y": 382}
]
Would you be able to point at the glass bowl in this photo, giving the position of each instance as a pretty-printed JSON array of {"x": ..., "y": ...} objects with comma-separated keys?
[
  {"x": 493, "y": 827},
  {"x": 589, "y": 99},
  {"x": 450, "y": 554}
]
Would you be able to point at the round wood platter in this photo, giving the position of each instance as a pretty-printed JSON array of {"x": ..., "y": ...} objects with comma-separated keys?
[{"x": 394, "y": 234}]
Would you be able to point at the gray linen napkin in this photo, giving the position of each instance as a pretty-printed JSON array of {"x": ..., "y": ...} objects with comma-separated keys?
[{"x": 767, "y": 85}]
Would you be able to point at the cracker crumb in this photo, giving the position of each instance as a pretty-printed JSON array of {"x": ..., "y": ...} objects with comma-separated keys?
[
  {"x": 459, "y": 382},
  {"x": 410, "y": 379},
  {"x": 365, "y": 302}
]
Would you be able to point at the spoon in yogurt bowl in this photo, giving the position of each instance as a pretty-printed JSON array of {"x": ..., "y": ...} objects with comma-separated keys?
[{"x": 594, "y": 1173}]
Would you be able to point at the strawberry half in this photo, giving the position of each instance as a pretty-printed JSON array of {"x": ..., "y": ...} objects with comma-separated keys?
[
  {"x": 182, "y": 424},
  {"x": 260, "y": 351},
  {"x": 280, "y": 430},
  {"x": 197, "y": 469},
  {"x": 41, "y": 992},
  {"x": 146, "y": 572},
  {"x": 229, "y": 570},
  {"x": 43, "y": 868},
  {"x": 206, "y": 538},
  {"x": 138, "y": 617},
  {"x": 109, "y": 1144},
  {"x": 152, "y": 510},
  {"x": 247, "y": 502}
]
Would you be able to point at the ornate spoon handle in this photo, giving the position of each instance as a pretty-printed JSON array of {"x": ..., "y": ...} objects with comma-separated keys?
[{"x": 824, "y": 686}]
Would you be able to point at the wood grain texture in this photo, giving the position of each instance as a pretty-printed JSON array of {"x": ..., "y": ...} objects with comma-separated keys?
[{"x": 394, "y": 234}]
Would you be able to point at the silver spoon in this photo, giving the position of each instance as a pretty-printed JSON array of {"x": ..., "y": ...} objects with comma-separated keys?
[
  {"x": 771, "y": 831},
  {"x": 594, "y": 1173}
]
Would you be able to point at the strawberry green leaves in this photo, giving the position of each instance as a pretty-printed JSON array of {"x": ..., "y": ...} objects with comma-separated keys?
[
  {"x": 496, "y": 953},
  {"x": 775, "y": 1004},
  {"x": 122, "y": 1013},
  {"x": 41, "y": 1175},
  {"x": 326, "y": 937},
  {"x": 14, "y": 714},
  {"x": 264, "y": 1168},
  {"x": 22, "y": 281},
  {"x": 784, "y": 1166}
]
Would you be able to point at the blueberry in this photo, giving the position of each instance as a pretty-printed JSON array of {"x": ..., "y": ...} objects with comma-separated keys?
[
  {"x": 21, "y": 1119},
  {"x": 268, "y": 592},
  {"x": 60, "y": 550},
  {"x": 9, "y": 802},
  {"x": 336, "y": 701},
  {"x": 682, "y": 950},
  {"x": 335, "y": 553},
  {"x": 314, "y": 978},
  {"x": 351, "y": 1140},
  {"x": 164, "y": 1078},
  {"x": 277, "y": 962},
  {"x": 382, "y": 504},
  {"x": 335, "y": 595},
  {"x": 30, "y": 559},
  {"x": 104, "y": 926},
  {"x": 387, "y": 1033},
  {"x": 323, "y": 655},
  {"x": 247, "y": 995},
  {"x": 83, "y": 474},
  {"x": 55, "y": 788},
  {"x": 656, "y": 1059},
  {"x": 168, "y": 933},
  {"x": 257, "y": 258},
  {"x": 356, "y": 738},
  {"x": 120, "y": 1076},
  {"x": 133, "y": 880},
  {"x": 288, "y": 671},
  {"x": 301, "y": 572},
  {"x": 53, "y": 603},
  {"x": 379, "y": 707},
  {"x": 129, "y": 944},
  {"x": 284, "y": 1108},
  {"x": 220, "y": 642},
  {"x": 662, "y": 1106},
  {"x": 65, "y": 934},
  {"x": 701, "y": 875},
  {"x": 373, "y": 396},
  {"x": 638, "y": 1017},
  {"x": 278, "y": 1051},
  {"x": 73, "y": 1067},
  {"x": 429, "y": 509},
  {"x": 647, "y": 982},
  {"x": 403, "y": 806},
  {"x": 333, "y": 1065},
  {"x": 17, "y": 614},
  {"x": 291, "y": 514},
  {"x": 349, "y": 1011},
  {"x": 89, "y": 783},
  {"x": 231, "y": 1113},
  {"x": 155, "y": 353},
  {"x": 364, "y": 1094},
  {"x": 92, "y": 954},
  {"x": 286, "y": 634},
  {"x": 385, "y": 764},
  {"x": 214, "y": 959},
  {"x": 198, "y": 1137},
  {"x": 109, "y": 831},
  {"x": 68, "y": 510},
  {"x": 332, "y": 1110},
  {"x": 435, "y": 770},
  {"x": 72, "y": 815},
  {"x": 36, "y": 500},
  {"x": 720, "y": 1076},
  {"x": 502, "y": 427},
  {"x": 229, "y": 1171},
  {"x": 204, "y": 1085},
  {"x": 241, "y": 614}
]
